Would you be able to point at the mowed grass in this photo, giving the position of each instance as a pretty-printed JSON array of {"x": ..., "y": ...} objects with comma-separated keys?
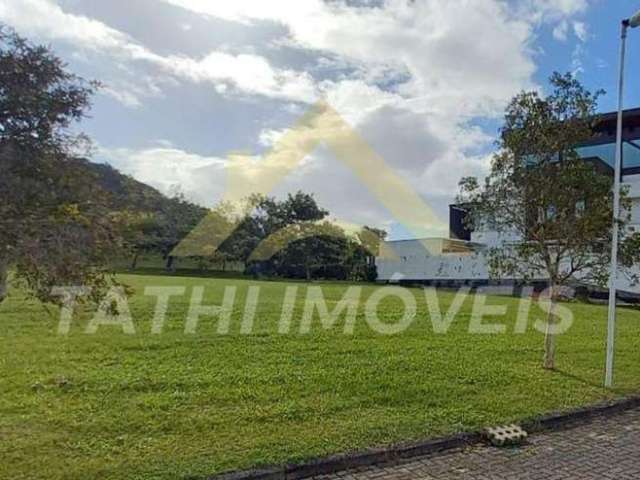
[{"x": 165, "y": 406}]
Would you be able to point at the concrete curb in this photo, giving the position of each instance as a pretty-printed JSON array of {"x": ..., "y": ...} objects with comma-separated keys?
[
  {"x": 336, "y": 463},
  {"x": 556, "y": 421}
]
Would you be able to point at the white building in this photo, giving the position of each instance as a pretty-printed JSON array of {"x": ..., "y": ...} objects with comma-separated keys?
[{"x": 461, "y": 259}]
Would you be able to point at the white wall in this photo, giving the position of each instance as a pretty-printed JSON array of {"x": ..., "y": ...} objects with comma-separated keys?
[
  {"x": 415, "y": 262},
  {"x": 633, "y": 183},
  {"x": 492, "y": 238}
]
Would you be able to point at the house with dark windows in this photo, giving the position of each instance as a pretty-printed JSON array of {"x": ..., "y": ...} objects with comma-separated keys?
[{"x": 460, "y": 259}]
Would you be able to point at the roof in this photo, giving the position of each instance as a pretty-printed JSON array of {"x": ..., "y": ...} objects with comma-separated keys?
[{"x": 608, "y": 121}]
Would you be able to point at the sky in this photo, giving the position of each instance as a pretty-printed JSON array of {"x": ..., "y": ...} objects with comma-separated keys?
[{"x": 188, "y": 85}]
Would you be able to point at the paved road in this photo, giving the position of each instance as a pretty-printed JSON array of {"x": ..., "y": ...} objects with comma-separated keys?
[{"x": 604, "y": 449}]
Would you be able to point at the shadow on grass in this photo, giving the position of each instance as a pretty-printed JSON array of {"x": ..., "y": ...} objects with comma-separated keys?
[
  {"x": 183, "y": 272},
  {"x": 585, "y": 381}
]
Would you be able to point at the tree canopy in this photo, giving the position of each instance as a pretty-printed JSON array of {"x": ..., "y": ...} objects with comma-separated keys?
[
  {"x": 554, "y": 206},
  {"x": 56, "y": 226}
]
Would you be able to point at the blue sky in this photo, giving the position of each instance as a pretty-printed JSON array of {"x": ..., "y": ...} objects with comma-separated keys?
[
  {"x": 188, "y": 82},
  {"x": 599, "y": 54}
]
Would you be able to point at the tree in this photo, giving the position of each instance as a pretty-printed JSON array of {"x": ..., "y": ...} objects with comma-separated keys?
[
  {"x": 150, "y": 221},
  {"x": 56, "y": 226},
  {"x": 289, "y": 238},
  {"x": 273, "y": 215},
  {"x": 307, "y": 250},
  {"x": 265, "y": 217},
  {"x": 203, "y": 241},
  {"x": 365, "y": 252},
  {"x": 141, "y": 233},
  {"x": 540, "y": 192},
  {"x": 177, "y": 218}
]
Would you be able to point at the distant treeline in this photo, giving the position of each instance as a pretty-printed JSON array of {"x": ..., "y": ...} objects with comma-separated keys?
[{"x": 291, "y": 238}]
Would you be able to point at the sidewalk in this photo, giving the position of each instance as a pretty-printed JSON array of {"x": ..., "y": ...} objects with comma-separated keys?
[{"x": 606, "y": 448}]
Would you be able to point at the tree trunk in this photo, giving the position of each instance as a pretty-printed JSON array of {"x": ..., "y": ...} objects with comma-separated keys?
[
  {"x": 170, "y": 263},
  {"x": 134, "y": 261},
  {"x": 549, "y": 360},
  {"x": 4, "y": 279},
  {"x": 307, "y": 271}
]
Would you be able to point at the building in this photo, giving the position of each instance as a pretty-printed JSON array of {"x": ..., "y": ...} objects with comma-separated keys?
[{"x": 461, "y": 259}]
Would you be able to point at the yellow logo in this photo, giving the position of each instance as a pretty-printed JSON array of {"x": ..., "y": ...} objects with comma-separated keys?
[{"x": 320, "y": 125}]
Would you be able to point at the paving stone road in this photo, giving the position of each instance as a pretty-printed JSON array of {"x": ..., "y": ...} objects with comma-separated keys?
[{"x": 607, "y": 448}]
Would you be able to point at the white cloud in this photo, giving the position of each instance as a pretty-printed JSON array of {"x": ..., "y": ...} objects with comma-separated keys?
[
  {"x": 47, "y": 19},
  {"x": 553, "y": 10},
  {"x": 249, "y": 74},
  {"x": 412, "y": 77},
  {"x": 581, "y": 31},
  {"x": 561, "y": 30},
  {"x": 130, "y": 90},
  {"x": 269, "y": 137},
  {"x": 558, "y": 13},
  {"x": 355, "y": 99},
  {"x": 248, "y": 10},
  {"x": 295, "y": 13},
  {"x": 454, "y": 72},
  {"x": 451, "y": 72},
  {"x": 476, "y": 64},
  {"x": 128, "y": 99},
  {"x": 576, "y": 59},
  {"x": 167, "y": 168}
]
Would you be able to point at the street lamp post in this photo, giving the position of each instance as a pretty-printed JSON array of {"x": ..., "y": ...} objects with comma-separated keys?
[{"x": 633, "y": 22}]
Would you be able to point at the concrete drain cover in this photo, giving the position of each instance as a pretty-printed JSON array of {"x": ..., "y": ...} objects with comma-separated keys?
[{"x": 506, "y": 435}]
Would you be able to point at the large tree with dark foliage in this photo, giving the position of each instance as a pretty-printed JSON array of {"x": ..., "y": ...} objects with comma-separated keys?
[
  {"x": 265, "y": 216},
  {"x": 57, "y": 228},
  {"x": 539, "y": 191},
  {"x": 289, "y": 238},
  {"x": 176, "y": 217}
]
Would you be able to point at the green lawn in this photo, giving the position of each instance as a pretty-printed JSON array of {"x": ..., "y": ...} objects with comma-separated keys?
[{"x": 112, "y": 405}]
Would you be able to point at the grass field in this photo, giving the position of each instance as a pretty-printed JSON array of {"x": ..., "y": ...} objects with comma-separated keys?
[{"x": 140, "y": 406}]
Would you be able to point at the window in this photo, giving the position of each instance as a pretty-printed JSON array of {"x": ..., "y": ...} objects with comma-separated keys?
[
  {"x": 607, "y": 153},
  {"x": 631, "y": 154}
]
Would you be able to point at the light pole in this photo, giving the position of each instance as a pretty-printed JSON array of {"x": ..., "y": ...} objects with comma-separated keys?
[{"x": 633, "y": 22}]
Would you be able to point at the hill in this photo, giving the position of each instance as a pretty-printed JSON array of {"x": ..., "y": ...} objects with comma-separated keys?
[{"x": 154, "y": 221}]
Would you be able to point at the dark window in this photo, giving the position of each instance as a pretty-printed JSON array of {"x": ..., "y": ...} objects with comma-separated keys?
[{"x": 458, "y": 228}]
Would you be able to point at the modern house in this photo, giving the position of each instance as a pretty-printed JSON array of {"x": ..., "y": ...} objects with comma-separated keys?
[{"x": 461, "y": 259}]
